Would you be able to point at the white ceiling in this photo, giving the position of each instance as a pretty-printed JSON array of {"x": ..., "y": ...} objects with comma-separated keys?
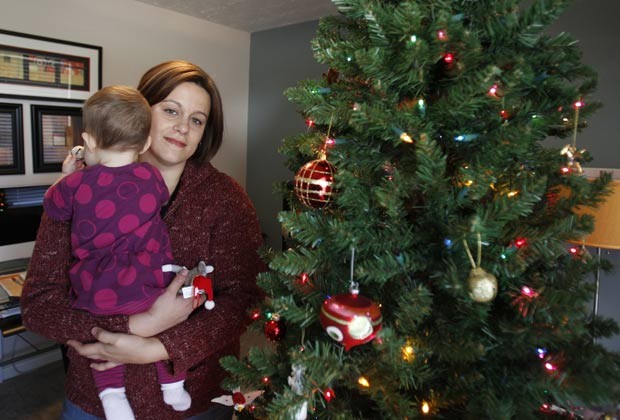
[{"x": 250, "y": 15}]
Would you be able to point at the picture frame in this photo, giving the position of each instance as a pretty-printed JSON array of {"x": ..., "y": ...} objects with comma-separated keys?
[
  {"x": 55, "y": 131},
  {"x": 11, "y": 139},
  {"x": 39, "y": 67}
]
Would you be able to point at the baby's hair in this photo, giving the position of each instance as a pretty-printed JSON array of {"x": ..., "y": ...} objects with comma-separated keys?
[{"x": 118, "y": 117}]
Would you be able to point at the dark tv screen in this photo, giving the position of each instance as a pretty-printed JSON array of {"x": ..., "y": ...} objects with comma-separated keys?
[{"x": 20, "y": 214}]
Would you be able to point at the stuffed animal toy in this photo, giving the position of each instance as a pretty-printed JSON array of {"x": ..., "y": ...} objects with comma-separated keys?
[{"x": 197, "y": 282}]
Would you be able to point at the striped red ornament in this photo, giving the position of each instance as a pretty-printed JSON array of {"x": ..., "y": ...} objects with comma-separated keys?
[{"x": 313, "y": 183}]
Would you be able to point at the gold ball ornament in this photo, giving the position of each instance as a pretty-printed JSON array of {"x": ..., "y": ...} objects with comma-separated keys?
[{"x": 482, "y": 285}]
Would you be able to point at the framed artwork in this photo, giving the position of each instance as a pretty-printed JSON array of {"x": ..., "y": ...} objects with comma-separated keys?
[
  {"x": 39, "y": 67},
  {"x": 55, "y": 130},
  {"x": 11, "y": 139}
]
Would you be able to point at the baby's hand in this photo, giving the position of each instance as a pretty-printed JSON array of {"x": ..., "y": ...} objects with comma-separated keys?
[{"x": 74, "y": 160}]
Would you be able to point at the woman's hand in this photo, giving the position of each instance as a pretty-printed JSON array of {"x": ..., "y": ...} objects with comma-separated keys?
[
  {"x": 167, "y": 311},
  {"x": 113, "y": 349}
]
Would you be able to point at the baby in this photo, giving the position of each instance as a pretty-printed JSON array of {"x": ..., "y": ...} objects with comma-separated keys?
[{"x": 118, "y": 239}]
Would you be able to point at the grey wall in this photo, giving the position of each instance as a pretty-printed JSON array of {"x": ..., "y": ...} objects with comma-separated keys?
[
  {"x": 281, "y": 57},
  {"x": 595, "y": 24}
]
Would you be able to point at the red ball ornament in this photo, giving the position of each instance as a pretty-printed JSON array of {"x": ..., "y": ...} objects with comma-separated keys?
[
  {"x": 313, "y": 183},
  {"x": 274, "y": 329},
  {"x": 351, "y": 319}
]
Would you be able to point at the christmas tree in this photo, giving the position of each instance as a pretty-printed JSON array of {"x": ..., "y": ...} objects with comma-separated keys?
[{"x": 430, "y": 269}]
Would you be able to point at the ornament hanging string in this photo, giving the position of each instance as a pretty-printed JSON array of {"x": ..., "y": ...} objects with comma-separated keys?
[
  {"x": 323, "y": 152},
  {"x": 474, "y": 264},
  {"x": 354, "y": 286},
  {"x": 576, "y": 122},
  {"x": 329, "y": 127},
  {"x": 303, "y": 338},
  {"x": 479, "y": 248}
]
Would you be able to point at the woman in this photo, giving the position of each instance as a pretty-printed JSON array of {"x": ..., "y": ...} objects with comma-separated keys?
[{"x": 210, "y": 218}]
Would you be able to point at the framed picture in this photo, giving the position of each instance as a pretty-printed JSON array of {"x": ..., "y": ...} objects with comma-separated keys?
[
  {"x": 34, "y": 66},
  {"x": 11, "y": 139},
  {"x": 55, "y": 130}
]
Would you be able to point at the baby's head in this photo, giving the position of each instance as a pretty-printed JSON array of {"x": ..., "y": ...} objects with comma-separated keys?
[{"x": 117, "y": 117}]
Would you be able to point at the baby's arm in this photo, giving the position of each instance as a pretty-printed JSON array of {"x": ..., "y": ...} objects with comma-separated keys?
[{"x": 72, "y": 163}]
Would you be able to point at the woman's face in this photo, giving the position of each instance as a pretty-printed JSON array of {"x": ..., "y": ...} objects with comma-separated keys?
[{"x": 178, "y": 124}]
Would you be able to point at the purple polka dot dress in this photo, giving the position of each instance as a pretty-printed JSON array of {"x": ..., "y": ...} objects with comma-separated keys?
[{"x": 118, "y": 239}]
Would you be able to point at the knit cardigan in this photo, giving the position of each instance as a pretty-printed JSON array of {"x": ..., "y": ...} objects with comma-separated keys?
[{"x": 210, "y": 219}]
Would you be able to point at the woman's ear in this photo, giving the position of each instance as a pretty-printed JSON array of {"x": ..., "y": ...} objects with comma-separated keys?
[{"x": 146, "y": 145}]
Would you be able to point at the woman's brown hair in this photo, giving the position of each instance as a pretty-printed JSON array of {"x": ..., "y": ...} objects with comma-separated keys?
[{"x": 157, "y": 83}]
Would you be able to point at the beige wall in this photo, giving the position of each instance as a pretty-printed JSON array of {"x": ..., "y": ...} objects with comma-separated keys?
[{"x": 134, "y": 36}]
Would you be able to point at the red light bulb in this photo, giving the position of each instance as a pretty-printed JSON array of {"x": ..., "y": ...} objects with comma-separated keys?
[
  {"x": 329, "y": 394},
  {"x": 520, "y": 242},
  {"x": 528, "y": 292},
  {"x": 304, "y": 278}
]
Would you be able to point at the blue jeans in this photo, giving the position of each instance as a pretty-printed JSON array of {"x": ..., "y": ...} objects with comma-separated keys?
[{"x": 71, "y": 411}]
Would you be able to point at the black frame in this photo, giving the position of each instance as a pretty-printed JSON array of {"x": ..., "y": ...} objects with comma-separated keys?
[
  {"x": 58, "y": 57},
  {"x": 17, "y": 138},
  {"x": 38, "y": 113}
]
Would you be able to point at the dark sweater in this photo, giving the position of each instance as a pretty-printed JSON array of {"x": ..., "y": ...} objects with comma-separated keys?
[{"x": 210, "y": 219}]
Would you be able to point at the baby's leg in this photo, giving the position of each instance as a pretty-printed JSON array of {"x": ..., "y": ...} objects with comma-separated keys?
[
  {"x": 111, "y": 386},
  {"x": 172, "y": 387}
]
